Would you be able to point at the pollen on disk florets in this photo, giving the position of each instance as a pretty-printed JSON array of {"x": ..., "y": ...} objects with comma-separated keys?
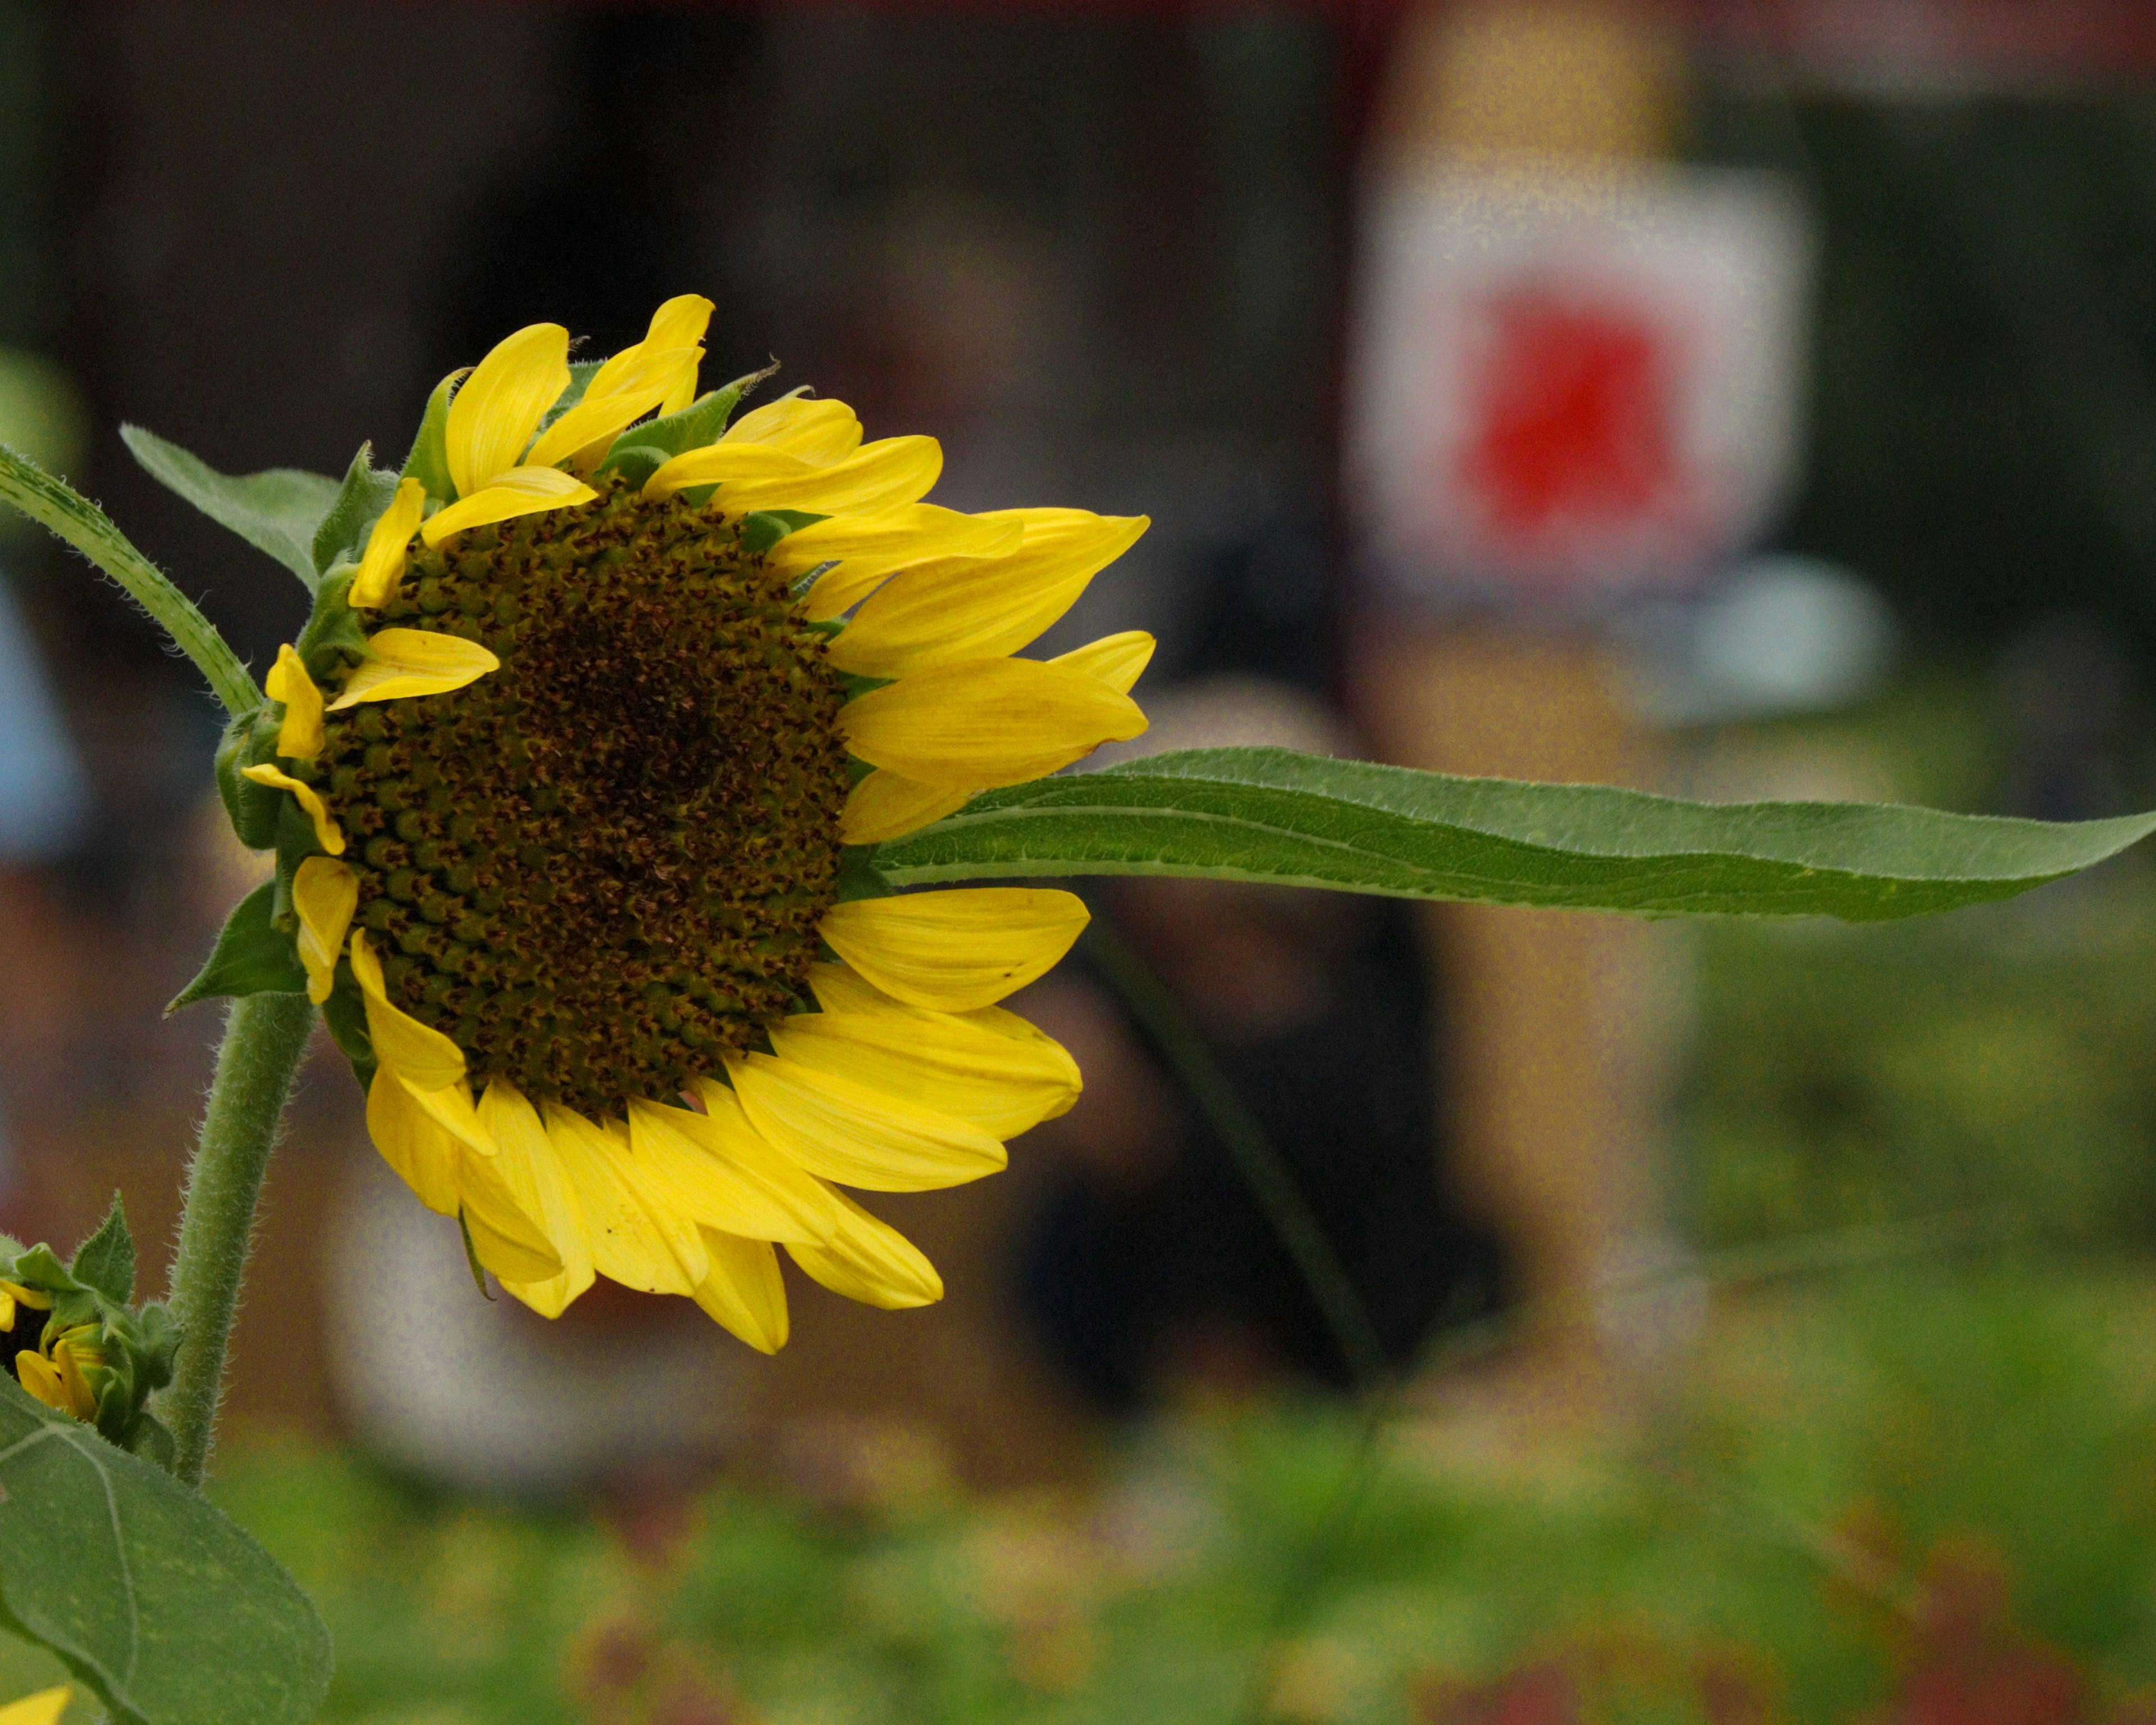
[{"x": 604, "y": 863}]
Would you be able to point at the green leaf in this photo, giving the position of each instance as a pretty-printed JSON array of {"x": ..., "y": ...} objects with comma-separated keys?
[
  {"x": 360, "y": 501},
  {"x": 695, "y": 425},
  {"x": 154, "y": 1599},
  {"x": 278, "y": 512},
  {"x": 57, "y": 505},
  {"x": 765, "y": 527},
  {"x": 1301, "y": 820},
  {"x": 105, "y": 1260},
  {"x": 252, "y": 956},
  {"x": 429, "y": 461}
]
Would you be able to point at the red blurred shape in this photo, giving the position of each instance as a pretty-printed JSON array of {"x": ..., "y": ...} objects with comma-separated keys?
[
  {"x": 1572, "y": 419},
  {"x": 1968, "y": 1666}
]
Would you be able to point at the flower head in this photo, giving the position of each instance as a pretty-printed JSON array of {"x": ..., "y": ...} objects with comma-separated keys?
[{"x": 574, "y": 755}]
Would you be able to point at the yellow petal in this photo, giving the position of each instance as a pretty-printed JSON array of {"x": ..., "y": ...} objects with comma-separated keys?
[
  {"x": 633, "y": 1242},
  {"x": 945, "y": 611},
  {"x": 645, "y": 376},
  {"x": 300, "y": 734},
  {"x": 42, "y": 1708},
  {"x": 516, "y": 491},
  {"x": 327, "y": 833},
  {"x": 843, "y": 1130},
  {"x": 1118, "y": 660},
  {"x": 405, "y": 663},
  {"x": 820, "y": 432},
  {"x": 743, "y": 1291},
  {"x": 39, "y": 1375},
  {"x": 868, "y": 547},
  {"x": 81, "y": 1399},
  {"x": 884, "y": 474},
  {"x": 681, "y": 322},
  {"x": 872, "y": 1262},
  {"x": 6, "y": 1312},
  {"x": 412, "y": 1142},
  {"x": 504, "y": 1238},
  {"x": 957, "y": 950},
  {"x": 325, "y": 894},
  {"x": 418, "y": 1052},
  {"x": 532, "y": 1165},
  {"x": 1001, "y": 1083},
  {"x": 986, "y": 721},
  {"x": 713, "y": 1169},
  {"x": 493, "y": 416},
  {"x": 886, "y": 805},
  {"x": 840, "y": 990},
  {"x": 383, "y": 566}
]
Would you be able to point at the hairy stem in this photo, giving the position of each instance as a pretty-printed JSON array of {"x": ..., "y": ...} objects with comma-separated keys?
[{"x": 265, "y": 1039}]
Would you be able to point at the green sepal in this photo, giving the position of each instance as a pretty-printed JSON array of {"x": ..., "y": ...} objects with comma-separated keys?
[
  {"x": 251, "y": 808},
  {"x": 153, "y": 1442},
  {"x": 634, "y": 462},
  {"x": 252, "y": 956},
  {"x": 105, "y": 1261},
  {"x": 279, "y": 511},
  {"x": 581, "y": 373},
  {"x": 765, "y": 527},
  {"x": 471, "y": 1256},
  {"x": 332, "y": 640},
  {"x": 859, "y": 877},
  {"x": 360, "y": 501},
  {"x": 695, "y": 425},
  {"x": 344, "y": 1015},
  {"x": 429, "y": 461}
]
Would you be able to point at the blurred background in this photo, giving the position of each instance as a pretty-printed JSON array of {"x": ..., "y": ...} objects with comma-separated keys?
[{"x": 1740, "y": 398}]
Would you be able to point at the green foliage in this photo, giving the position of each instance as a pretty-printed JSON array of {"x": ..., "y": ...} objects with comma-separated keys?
[
  {"x": 429, "y": 461},
  {"x": 105, "y": 1261},
  {"x": 57, "y": 506},
  {"x": 252, "y": 956},
  {"x": 154, "y": 1599},
  {"x": 1885, "y": 1413},
  {"x": 1272, "y": 815},
  {"x": 279, "y": 511},
  {"x": 360, "y": 501},
  {"x": 1999, "y": 1064}
]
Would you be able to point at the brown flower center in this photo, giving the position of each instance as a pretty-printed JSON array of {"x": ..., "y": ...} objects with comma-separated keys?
[{"x": 604, "y": 863}]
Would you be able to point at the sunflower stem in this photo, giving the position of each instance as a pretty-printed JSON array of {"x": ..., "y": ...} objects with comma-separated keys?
[{"x": 264, "y": 1039}]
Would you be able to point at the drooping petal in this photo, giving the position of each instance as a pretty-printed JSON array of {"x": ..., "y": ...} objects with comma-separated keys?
[
  {"x": 955, "y": 950},
  {"x": 838, "y": 989},
  {"x": 1002, "y": 1085},
  {"x": 647, "y": 375},
  {"x": 743, "y": 1291},
  {"x": 945, "y": 611},
  {"x": 843, "y": 1130},
  {"x": 888, "y": 805},
  {"x": 382, "y": 567},
  {"x": 884, "y": 474},
  {"x": 632, "y": 1242},
  {"x": 532, "y": 1166},
  {"x": 299, "y": 733},
  {"x": 870, "y": 1261},
  {"x": 327, "y": 833},
  {"x": 418, "y": 1053},
  {"x": 1118, "y": 660},
  {"x": 404, "y": 663},
  {"x": 42, "y": 1378},
  {"x": 516, "y": 491},
  {"x": 820, "y": 431},
  {"x": 506, "y": 1237},
  {"x": 868, "y": 547},
  {"x": 493, "y": 416},
  {"x": 325, "y": 893},
  {"x": 986, "y": 721},
  {"x": 713, "y": 1169},
  {"x": 412, "y": 1142}
]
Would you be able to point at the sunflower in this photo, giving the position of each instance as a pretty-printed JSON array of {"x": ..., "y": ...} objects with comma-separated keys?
[{"x": 575, "y": 758}]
